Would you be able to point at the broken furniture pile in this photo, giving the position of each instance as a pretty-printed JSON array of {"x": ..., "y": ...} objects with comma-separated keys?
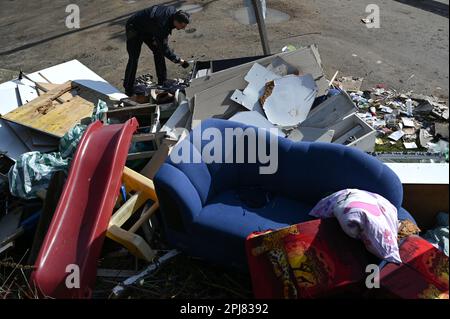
[
  {"x": 82, "y": 181},
  {"x": 39, "y": 198},
  {"x": 287, "y": 92}
]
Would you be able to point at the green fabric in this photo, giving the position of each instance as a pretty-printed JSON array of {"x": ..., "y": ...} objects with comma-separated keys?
[{"x": 32, "y": 171}]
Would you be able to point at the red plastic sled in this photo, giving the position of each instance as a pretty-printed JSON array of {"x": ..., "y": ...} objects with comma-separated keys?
[{"x": 77, "y": 231}]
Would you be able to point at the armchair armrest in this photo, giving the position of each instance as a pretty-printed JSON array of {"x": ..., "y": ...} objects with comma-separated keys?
[{"x": 179, "y": 200}]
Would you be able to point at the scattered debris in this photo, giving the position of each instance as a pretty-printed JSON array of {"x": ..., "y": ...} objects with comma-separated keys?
[
  {"x": 349, "y": 84},
  {"x": 43, "y": 122},
  {"x": 119, "y": 289},
  {"x": 407, "y": 228},
  {"x": 441, "y": 129},
  {"x": 410, "y": 117},
  {"x": 367, "y": 21},
  {"x": 396, "y": 135},
  {"x": 410, "y": 146}
]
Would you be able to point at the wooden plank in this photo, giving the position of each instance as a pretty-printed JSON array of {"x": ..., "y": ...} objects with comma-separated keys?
[
  {"x": 148, "y": 137},
  {"x": 144, "y": 218},
  {"x": 132, "y": 111},
  {"x": 56, "y": 120},
  {"x": 140, "y": 183},
  {"x": 54, "y": 93},
  {"x": 157, "y": 160},
  {"x": 45, "y": 87},
  {"x": 141, "y": 155},
  {"x": 134, "y": 243},
  {"x": 127, "y": 210},
  {"x": 6, "y": 247}
]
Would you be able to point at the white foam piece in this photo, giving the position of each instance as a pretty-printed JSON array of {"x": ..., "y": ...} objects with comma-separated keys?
[
  {"x": 10, "y": 142},
  {"x": 8, "y": 100},
  {"x": 291, "y": 100},
  {"x": 257, "y": 78},
  {"x": 27, "y": 93}
]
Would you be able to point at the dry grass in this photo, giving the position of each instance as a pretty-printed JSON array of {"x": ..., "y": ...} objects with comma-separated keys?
[
  {"x": 182, "y": 277},
  {"x": 14, "y": 283}
]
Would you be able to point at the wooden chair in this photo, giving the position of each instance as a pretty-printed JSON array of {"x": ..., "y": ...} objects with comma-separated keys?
[{"x": 141, "y": 189}]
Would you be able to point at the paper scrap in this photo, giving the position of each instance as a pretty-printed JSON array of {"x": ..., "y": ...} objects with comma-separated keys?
[
  {"x": 407, "y": 122},
  {"x": 396, "y": 135},
  {"x": 410, "y": 146}
]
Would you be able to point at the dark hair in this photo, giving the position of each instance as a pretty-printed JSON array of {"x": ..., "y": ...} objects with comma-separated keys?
[{"x": 182, "y": 17}]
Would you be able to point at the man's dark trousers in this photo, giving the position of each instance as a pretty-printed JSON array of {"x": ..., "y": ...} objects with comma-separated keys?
[{"x": 134, "y": 45}]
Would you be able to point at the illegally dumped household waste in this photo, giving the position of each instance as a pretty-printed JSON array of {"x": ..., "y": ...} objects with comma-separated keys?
[
  {"x": 405, "y": 121},
  {"x": 288, "y": 92}
]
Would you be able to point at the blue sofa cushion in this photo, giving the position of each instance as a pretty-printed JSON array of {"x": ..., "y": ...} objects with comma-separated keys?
[
  {"x": 403, "y": 214},
  {"x": 306, "y": 171},
  {"x": 226, "y": 222}
]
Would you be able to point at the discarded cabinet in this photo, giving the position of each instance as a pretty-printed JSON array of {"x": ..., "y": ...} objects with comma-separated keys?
[
  {"x": 337, "y": 113},
  {"x": 353, "y": 131}
]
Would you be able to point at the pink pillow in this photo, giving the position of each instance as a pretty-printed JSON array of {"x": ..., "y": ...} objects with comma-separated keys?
[{"x": 365, "y": 216}]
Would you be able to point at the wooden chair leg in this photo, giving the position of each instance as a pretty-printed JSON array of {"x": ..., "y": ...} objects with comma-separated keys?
[{"x": 134, "y": 243}]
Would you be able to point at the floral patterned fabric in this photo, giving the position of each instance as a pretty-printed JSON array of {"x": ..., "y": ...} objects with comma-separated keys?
[
  {"x": 365, "y": 216},
  {"x": 309, "y": 260},
  {"x": 423, "y": 274}
]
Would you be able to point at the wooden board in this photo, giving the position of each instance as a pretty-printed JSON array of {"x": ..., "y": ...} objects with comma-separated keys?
[
  {"x": 50, "y": 86},
  {"x": 46, "y": 115}
]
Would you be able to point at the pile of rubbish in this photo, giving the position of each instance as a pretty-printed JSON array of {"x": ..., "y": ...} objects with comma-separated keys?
[
  {"x": 408, "y": 121},
  {"x": 78, "y": 157}
]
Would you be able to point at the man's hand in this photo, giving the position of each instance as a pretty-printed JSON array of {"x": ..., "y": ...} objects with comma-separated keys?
[{"x": 184, "y": 64}]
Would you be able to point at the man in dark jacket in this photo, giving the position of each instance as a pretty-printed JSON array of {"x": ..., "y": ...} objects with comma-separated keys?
[{"x": 153, "y": 26}]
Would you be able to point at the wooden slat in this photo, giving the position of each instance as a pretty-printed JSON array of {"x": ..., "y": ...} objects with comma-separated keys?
[
  {"x": 141, "y": 155},
  {"x": 138, "y": 182},
  {"x": 157, "y": 160},
  {"x": 144, "y": 218},
  {"x": 124, "y": 113},
  {"x": 134, "y": 243},
  {"x": 45, "y": 87},
  {"x": 127, "y": 210},
  {"x": 148, "y": 137},
  {"x": 115, "y": 273}
]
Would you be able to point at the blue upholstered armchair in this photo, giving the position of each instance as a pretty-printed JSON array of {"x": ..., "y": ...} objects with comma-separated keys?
[{"x": 208, "y": 209}]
